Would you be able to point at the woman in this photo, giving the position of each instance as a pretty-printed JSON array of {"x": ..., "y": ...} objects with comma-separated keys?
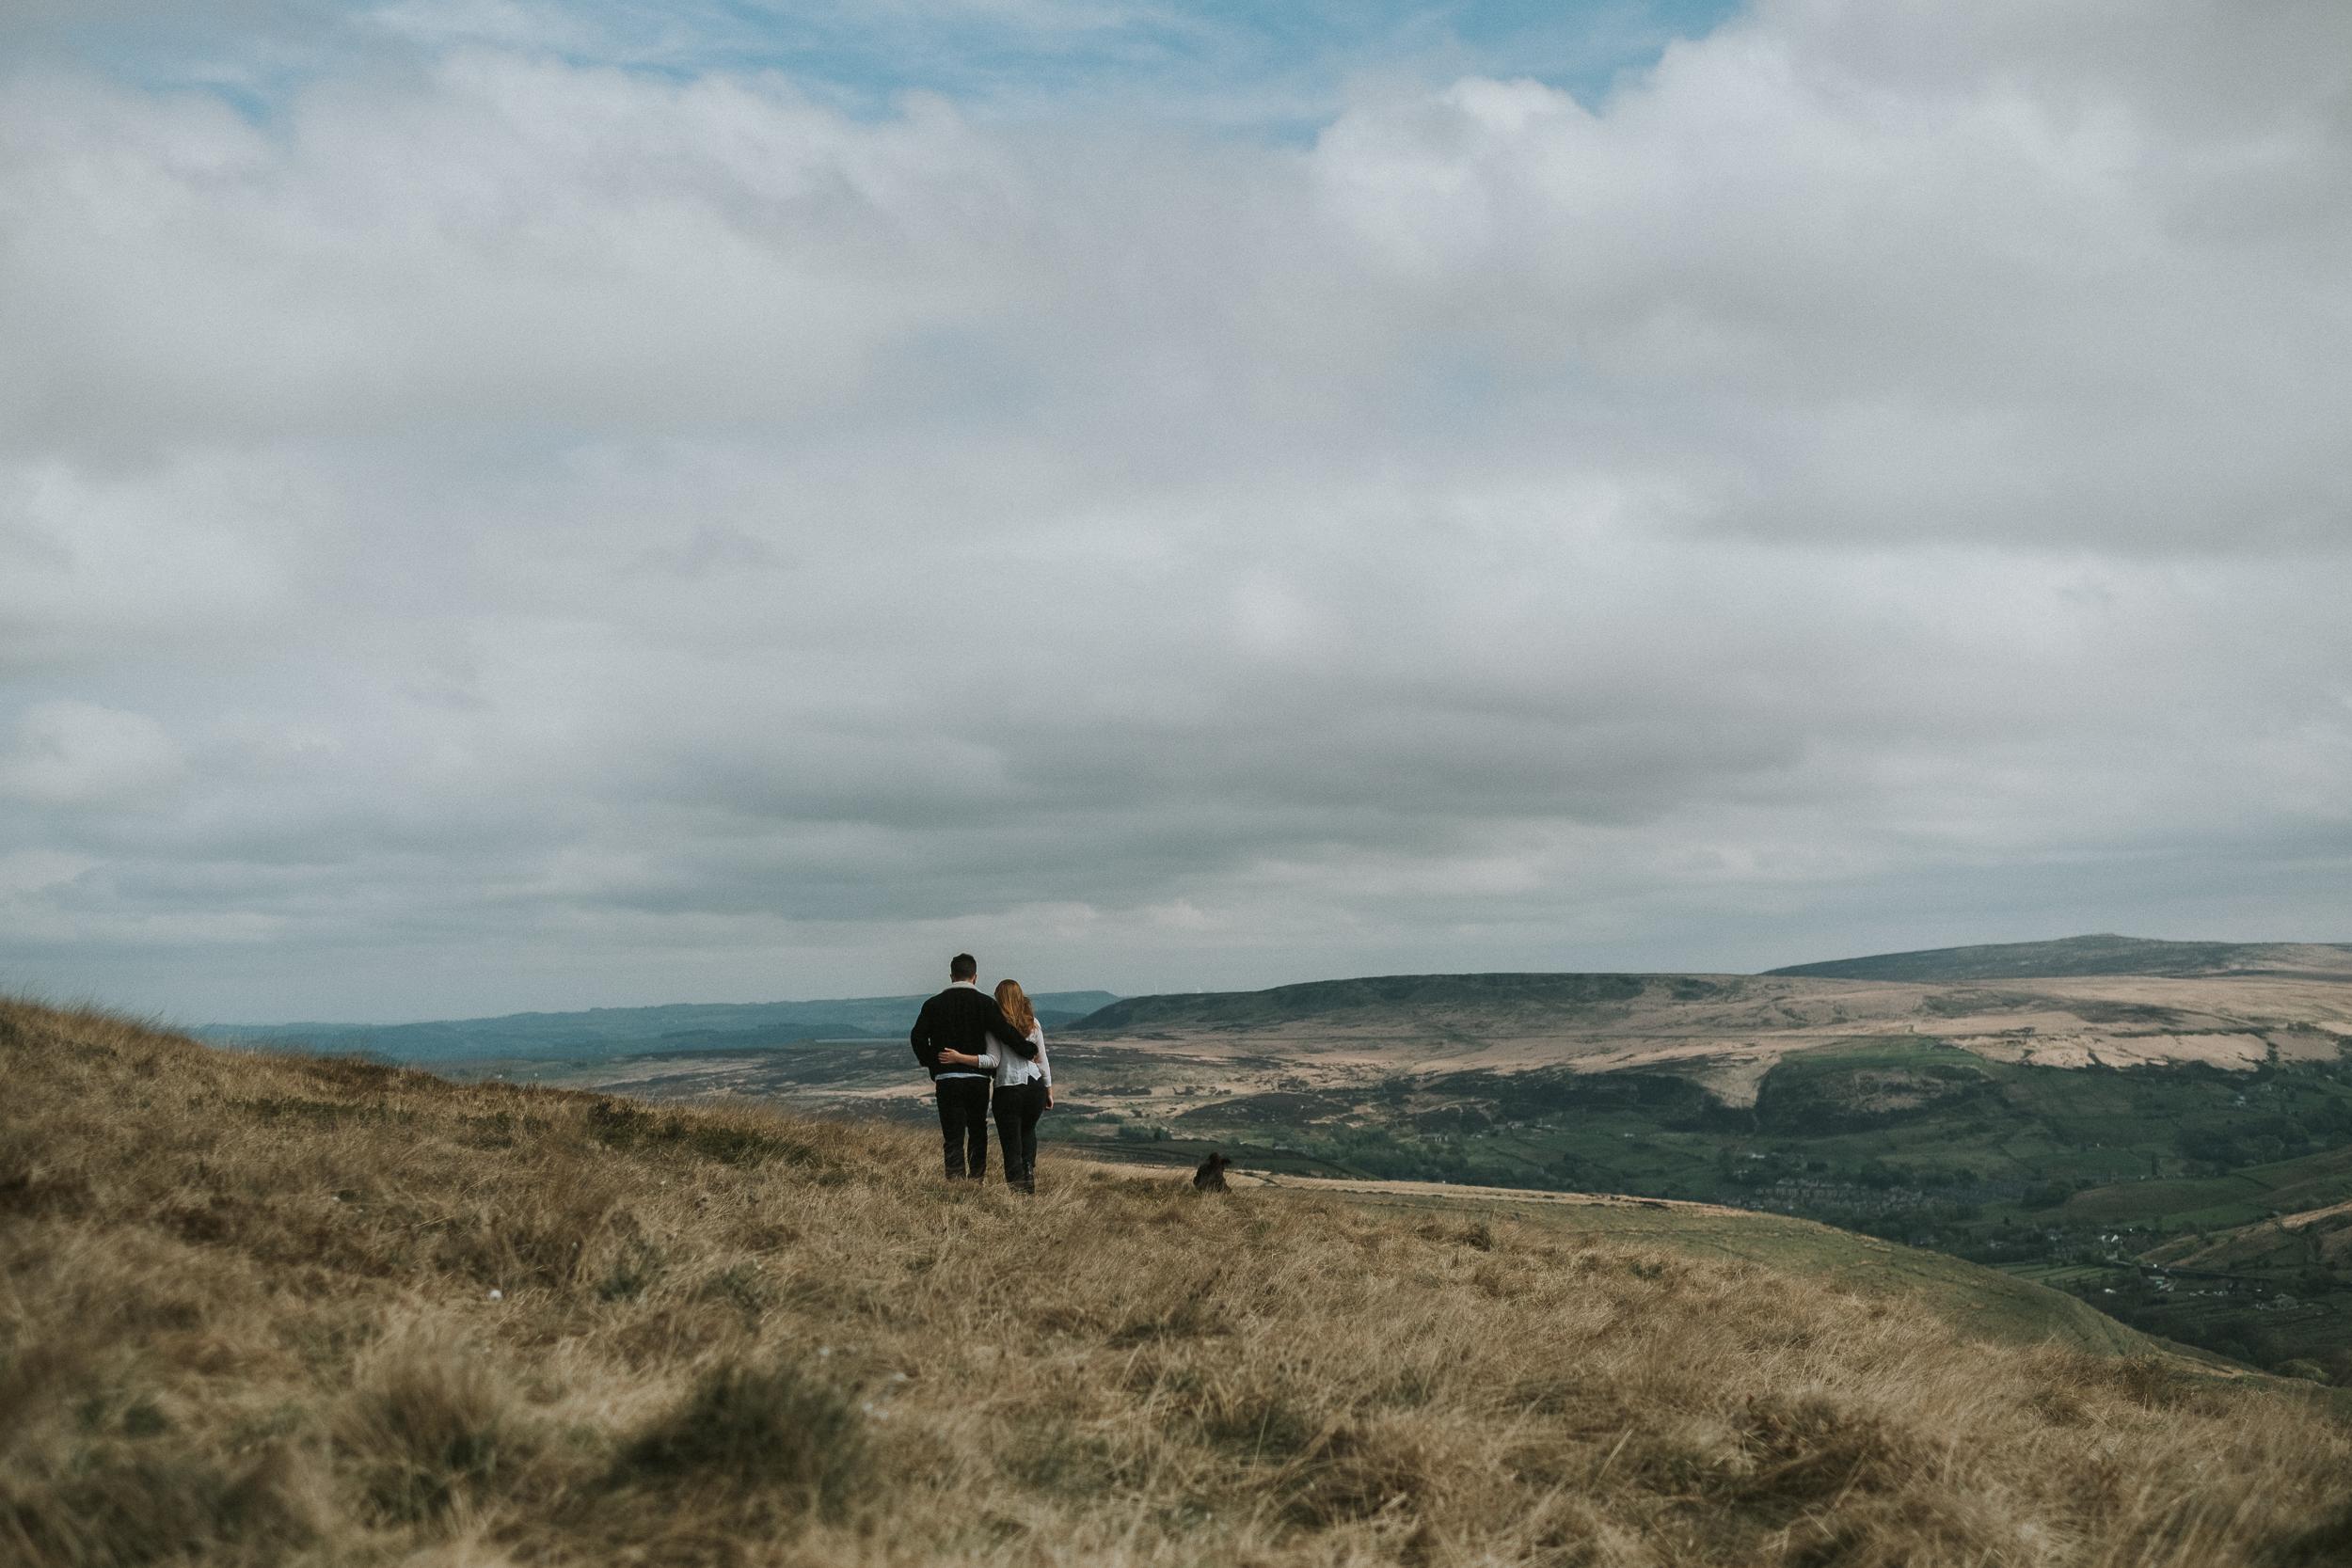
[{"x": 1024, "y": 1086}]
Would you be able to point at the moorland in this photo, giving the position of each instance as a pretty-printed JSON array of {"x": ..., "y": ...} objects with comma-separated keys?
[
  {"x": 288, "y": 1309},
  {"x": 2162, "y": 1129}
]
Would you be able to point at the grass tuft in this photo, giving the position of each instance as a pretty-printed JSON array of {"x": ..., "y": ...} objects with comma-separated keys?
[
  {"x": 778, "y": 1436},
  {"x": 426, "y": 1432}
]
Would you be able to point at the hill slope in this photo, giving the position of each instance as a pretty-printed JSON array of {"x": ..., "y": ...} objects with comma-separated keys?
[
  {"x": 1962, "y": 1116},
  {"x": 262, "y": 1309},
  {"x": 1978, "y": 1302}
]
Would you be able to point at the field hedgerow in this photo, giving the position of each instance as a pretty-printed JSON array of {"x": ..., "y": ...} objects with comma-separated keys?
[{"x": 274, "y": 1310}]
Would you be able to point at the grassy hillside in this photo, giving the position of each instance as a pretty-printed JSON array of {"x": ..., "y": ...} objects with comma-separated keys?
[
  {"x": 1979, "y": 1302},
  {"x": 265, "y": 1309},
  {"x": 1925, "y": 1115},
  {"x": 1889, "y": 1110}
]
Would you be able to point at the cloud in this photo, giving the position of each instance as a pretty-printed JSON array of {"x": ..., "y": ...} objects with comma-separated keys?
[
  {"x": 71, "y": 753},
  {"x": 511, "y": 531}
]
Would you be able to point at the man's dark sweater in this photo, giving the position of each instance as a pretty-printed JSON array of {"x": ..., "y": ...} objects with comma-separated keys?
[{"x": 960, "y": 1018}]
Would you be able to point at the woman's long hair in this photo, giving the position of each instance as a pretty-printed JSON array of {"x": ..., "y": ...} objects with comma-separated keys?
[{"x": 1014, "y": 1002}]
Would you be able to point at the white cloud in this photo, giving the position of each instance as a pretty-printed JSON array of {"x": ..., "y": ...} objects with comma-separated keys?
[
  {"x": 31, "y": 870},
  {"x": 517, "y": 533},
  {"x": 438, "y": 24},
  {"x": 70, "y": 753}
]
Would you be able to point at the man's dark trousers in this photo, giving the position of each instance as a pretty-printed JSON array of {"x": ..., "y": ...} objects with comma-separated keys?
[
  {"x": 1017, "y": 1112},
  {"x": 963, "y": 1125}
]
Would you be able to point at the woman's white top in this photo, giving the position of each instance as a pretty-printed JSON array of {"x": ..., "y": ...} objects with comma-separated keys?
[{"x": 1011, "y": 1068}]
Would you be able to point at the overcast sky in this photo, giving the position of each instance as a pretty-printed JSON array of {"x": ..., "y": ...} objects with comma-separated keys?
[{"x": 516, "y": 505}]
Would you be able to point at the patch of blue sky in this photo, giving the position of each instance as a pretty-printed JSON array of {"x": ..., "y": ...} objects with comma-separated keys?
[
  {"x": 252, "y": 54},
  {"x": 1271, "y": 70}
]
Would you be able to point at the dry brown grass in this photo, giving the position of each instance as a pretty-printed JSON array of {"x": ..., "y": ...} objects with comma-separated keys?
[{"x": 246, "y": 1316}]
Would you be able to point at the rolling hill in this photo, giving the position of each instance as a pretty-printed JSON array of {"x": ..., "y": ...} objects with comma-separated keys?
[{"x": 263, "y": 1308}]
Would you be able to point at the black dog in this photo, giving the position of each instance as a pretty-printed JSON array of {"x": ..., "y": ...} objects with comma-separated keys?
[{"x": 1210, "y": 1177}]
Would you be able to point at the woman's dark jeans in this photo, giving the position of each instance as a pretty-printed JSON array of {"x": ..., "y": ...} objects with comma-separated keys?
[{"x": 1017, "y": 1112}]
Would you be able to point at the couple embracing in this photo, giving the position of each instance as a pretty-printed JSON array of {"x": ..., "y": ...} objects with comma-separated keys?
[{"x": 971, "y": 1043}]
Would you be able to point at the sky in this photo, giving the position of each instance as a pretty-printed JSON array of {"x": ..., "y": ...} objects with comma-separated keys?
[{"x": 525, "y": 505}]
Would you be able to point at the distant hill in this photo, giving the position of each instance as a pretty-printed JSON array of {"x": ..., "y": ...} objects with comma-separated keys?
[
  {"x": 1400, "y": 997},
  {"x": 1487, "y": 1003},
  {"x": 2103, "y": 954},
  {"x": 622, "y": 1031},
  {"x": 1498, "y": 1000}
]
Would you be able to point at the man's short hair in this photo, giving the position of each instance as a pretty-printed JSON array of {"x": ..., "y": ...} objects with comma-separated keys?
[{"x": 964, "y": 966}]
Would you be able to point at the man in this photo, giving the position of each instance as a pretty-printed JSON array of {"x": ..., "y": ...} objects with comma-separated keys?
[{"x": 960, "y": 1018}]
